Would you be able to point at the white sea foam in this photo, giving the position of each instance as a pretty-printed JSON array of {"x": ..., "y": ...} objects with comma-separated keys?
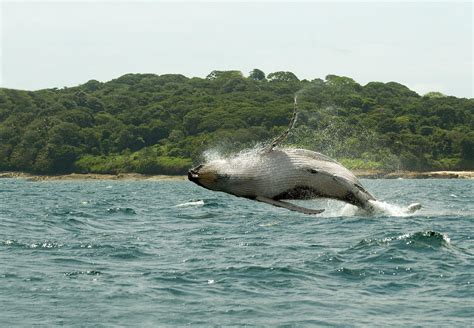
[
  {"x": 196, "y": 203},
  {"x": 381, "y": 208},
  {"x": 392, "y": 209},
  {"x": 388, "y": 209}
]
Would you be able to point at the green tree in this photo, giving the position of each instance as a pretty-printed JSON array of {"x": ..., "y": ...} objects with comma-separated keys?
[
  {"x": 282, "y": 76},
  {"x": 152, "y": 123},
  {"x": 257, "y": 75}
]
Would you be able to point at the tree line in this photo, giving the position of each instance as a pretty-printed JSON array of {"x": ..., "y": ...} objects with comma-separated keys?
[{"x": 161, "y": 124}]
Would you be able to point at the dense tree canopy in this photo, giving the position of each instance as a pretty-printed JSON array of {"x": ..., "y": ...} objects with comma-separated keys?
[{"x": 161, "y": 124}]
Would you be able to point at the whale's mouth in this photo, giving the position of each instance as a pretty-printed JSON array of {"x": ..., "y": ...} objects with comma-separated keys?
[
  {"x": 203, "y": 178},
  {"x": 193, "y": 175}
]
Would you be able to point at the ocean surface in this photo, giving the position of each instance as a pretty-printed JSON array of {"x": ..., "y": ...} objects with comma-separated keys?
[{"x": 169, "y": 253}]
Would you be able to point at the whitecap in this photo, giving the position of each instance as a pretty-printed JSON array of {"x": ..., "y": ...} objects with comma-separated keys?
[
  {"x": 381, "y": 208},
  {"x": 264, "y": 225},
  {"x": 196, "y": 203},
  {"x": 392, "y": 209}
]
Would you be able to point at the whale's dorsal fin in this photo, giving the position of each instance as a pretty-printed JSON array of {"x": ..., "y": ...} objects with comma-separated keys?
[
  {"x": 288, "y": 206},
  {"x": 278, "y": 140}
]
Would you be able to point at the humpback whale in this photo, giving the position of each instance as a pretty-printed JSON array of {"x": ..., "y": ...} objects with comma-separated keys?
[{"x": 273, "y": 175}]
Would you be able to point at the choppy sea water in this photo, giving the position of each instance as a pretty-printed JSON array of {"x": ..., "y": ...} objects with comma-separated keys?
[{"x": 168, "y": 253}]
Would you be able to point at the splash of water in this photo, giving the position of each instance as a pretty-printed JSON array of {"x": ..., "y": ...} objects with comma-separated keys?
[
  {"x": 238, "y": 162},
  {"x": 389, "y": 209},
  {"x": 323, "y": 129},
  {"x": 381, "y": 208}
]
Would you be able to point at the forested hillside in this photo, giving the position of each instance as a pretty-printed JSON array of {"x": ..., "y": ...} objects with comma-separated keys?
[{"x": 161, "y": 124}]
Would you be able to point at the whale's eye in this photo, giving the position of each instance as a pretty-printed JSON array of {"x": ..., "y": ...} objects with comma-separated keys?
[{"x": 313, "y": 171}]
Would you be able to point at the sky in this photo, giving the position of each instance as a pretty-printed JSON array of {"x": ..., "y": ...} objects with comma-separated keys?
[{"x": 425, "y": 46}]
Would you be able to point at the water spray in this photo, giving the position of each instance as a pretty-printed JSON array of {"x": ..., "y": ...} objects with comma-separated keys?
[{"x": 291, "y": 125}]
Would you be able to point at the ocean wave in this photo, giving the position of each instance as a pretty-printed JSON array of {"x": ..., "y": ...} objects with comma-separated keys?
[
  {"x": 192, "y": 203},
  {"x": 122, "y": 210},
  {"x": 356, "y": 274},
  {"x": 228, "y": 254},
  {"x": 74, "y": 274},
  {"x": 45, "y": 245},
  {"x": 426, "y": 238},
  {"x": 381, "y": 209},
  {"x": 68, "y": 213}
]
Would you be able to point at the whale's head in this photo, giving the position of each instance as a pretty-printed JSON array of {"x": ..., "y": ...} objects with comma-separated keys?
[
  {"x": 209, "y": 176},
  {"x": 239, "y": 175}
]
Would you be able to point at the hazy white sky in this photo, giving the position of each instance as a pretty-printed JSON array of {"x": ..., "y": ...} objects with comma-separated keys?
[{"x": 426, "y": 46}]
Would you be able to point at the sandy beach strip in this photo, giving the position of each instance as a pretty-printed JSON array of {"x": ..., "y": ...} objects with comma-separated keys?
[
  {"x": 90, "y": 176},
  {"x": 373, "y": 174}
]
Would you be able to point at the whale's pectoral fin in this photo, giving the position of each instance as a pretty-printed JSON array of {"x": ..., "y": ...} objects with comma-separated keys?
[
  {"x": 288, "y": 206},
  {"x": 278, "y": 140}
]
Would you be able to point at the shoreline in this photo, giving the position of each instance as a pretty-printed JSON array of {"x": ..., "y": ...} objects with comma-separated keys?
[
  {"x": 366, "y": 174},
  {"x": 91, "y": 176},
  {"x": 374, "y": 174}
]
